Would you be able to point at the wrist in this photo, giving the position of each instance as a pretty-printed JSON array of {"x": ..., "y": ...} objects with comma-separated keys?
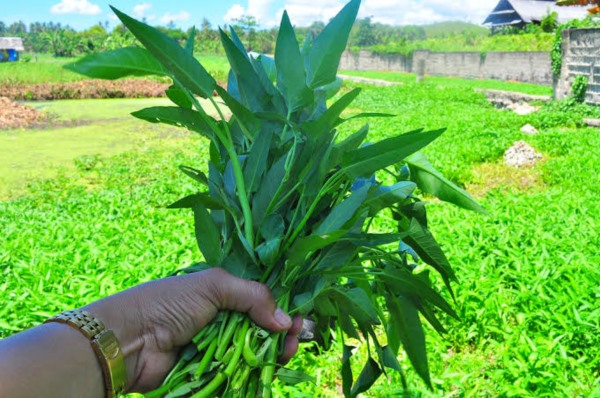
[{"x": 123, "y": 321}]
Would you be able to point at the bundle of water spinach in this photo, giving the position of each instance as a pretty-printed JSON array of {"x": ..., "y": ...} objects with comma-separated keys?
[{"x": 291, "y": 204}]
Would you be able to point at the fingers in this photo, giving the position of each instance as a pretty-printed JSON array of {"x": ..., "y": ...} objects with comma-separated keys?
[
  {"x": 236, "y": 294},
  {"x": 290, "y": 345}
]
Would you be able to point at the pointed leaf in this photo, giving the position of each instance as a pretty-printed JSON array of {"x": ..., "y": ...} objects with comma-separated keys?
[
  {"x": 291, "y": 376},
  {"x": 347, "y": 378},
  {"x": 404, "y": 322},
  {"x": 368, "y": 376},
  {"x": 243, "y": 114},
  {"x": 291, "y": 76},
  {"x": 207, "y": 235},
  {"x": 184, "y": 67},
  {"x": 325, "y": 53},
  {"x": 177, "y": 116},
  {"x": 303, "y": 246},
  {"x": 423, "y": 242},
  {"x": 189, "y": 44},
  {"x": 326, "y": 122},
  {"x": 190, "y": 201},
  {"x": 388, "y": 196},
  {"x": 434, "y": 183},
  {"x": 369, "y": 159},
  {"x": 256, "y": 163},
  {"x": 179, "y": 96},
  {"x": 343, "y": 212},
  {"x": 195, "y": 174},
  {"x": 403, "y": 282},
  {"x": 252, "y": 93},
  {"x": 128, "y": 61}
]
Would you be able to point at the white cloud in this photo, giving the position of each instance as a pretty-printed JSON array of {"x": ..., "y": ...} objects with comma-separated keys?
[
  {"x": 235, "y": 12},
  {"x": 179, "y": 17},
  {"x": 393, "y": 12},
  {"x": 259, "y": 9},
  {"x": 139, "y": 10},
  {"x": 83, "y": 7}
]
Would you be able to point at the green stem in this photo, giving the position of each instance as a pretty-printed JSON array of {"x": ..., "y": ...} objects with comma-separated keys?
[{"x": 239, "y": 179}]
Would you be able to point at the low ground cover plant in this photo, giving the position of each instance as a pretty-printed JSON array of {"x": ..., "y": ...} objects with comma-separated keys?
[
  {"x": 529, "y": 280},
  {"x": 291, "y": 204}
]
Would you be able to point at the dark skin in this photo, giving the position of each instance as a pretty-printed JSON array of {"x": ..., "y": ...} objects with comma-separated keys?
[{"x": 152, "y": 322}]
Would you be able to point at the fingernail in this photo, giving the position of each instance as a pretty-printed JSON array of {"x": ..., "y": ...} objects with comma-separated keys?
[{"x": 282, "y": 318}]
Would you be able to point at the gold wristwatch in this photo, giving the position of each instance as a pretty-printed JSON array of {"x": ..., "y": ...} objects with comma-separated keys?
[{"x": 105, "y": 346}]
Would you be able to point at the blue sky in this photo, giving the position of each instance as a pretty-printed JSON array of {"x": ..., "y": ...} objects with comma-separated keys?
[{"x": 81, "y": 14}]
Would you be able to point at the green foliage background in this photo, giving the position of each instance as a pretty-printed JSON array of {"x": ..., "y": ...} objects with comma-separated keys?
[{"x": 529, "y": 281}]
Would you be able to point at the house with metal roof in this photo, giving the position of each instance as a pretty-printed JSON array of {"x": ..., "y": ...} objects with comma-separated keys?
[
  {"x": 10, "y": 48},
  {"x": 518, "y": 13}
]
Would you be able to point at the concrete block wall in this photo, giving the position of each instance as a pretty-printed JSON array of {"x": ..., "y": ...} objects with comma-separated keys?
[
  {"x": 580, "y": 56},
  {"x": 529, "y": 67}
]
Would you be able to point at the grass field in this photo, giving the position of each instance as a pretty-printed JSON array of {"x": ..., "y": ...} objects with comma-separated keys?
[
  {"x": 44, "y": 68},
  {"x": 529, "y": 281}
]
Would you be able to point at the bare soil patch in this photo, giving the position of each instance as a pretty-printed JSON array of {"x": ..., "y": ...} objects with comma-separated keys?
[{"x": 13, "y": 115}]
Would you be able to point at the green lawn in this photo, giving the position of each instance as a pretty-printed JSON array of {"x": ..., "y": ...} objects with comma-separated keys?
[
  {"x": 44, "y": 68},
  {"x": 529, "y": 281}
]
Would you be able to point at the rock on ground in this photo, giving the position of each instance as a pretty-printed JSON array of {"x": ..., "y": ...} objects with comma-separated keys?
[
  {"x": 521, "y": 154},
  {"x": 529, "y": 129},
  {"x": 13, "y": 115}
]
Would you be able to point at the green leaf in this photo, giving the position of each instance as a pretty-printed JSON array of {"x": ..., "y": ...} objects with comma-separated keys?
[
  {"x": 268, "y": 251},
  {"x": 303, "y": 246},
  {"x": 291, "y": 76},
  {"x": 434, "y": 183},
  {"x": 404, "y": 323},
  {"x": 190, "y": 201},
  {"x": 207, "y": 235},
  {"x": 347, "y": 378},
  {"x": 269, "y": 66},
  {"x": 291, "y": 376},
  {"x": 252, "y": 92},
  {"x": 343, "y": 212},
  {"x": 179, "y": 96},
  {"x": 189, "y": 44},
  {"x": 243, "y": 114},
  {"x": 177, "y": 116},
  {"x": 184, "y": 67},
  {"x": 268, "y": 189},
  {"x": 369, "y": 159},
  {"x": 356, "y": 303},
  {"x": 256, "y": 163},
  {"x": 331, "y": 89},
  {"x": 128, "y": 61},
  {"x": 362, "y": 116},
  {"x": 194, "y": 174},
  {"x": 403, "y": 282},
  {"x": 327, "y": 121},
  {"x": 388, "y": 196},
  {"x": 368, "y": 376},
  {"x": 324, "y": 55},
  {"x": 351, "y": 142},
  {"x": 423, "y": 242}
]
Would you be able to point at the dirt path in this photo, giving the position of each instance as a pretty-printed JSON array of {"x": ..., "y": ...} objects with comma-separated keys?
[{"x": 375, "y": 82}]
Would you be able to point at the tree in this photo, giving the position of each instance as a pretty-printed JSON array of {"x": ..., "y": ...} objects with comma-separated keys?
[
  {"x": 247, "y": 24},
  {"x": 595, "y": 9},
  {"x": 365, "y": 33}
]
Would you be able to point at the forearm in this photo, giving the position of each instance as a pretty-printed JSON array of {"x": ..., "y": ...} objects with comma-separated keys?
[
  {"x": 56, "y": 360},
  {"x": 51, "y": 360}
]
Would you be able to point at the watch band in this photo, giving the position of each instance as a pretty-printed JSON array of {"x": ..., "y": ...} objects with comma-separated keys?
[{"x": 104, "y": 344}]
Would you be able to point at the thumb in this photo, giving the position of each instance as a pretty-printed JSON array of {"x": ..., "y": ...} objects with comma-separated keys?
[{"x": 251, "y": 297}]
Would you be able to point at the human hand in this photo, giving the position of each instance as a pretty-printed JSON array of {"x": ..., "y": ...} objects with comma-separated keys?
[{"x": 155, "y": 320}]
